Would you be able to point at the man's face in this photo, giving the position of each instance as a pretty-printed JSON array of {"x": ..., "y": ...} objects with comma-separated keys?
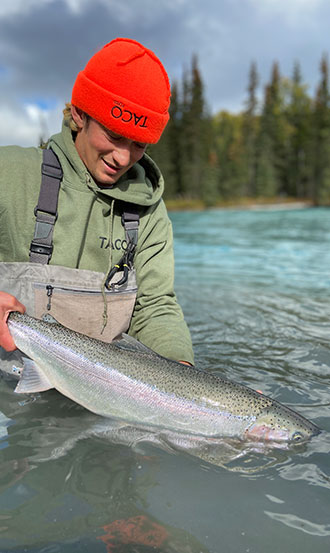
[{"x": 106, "y": 154}]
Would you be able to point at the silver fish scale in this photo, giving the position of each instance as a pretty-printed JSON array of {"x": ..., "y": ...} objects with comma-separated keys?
[
  {"x": 163, "y": 374},
  {"x": 128, "y": 381}
]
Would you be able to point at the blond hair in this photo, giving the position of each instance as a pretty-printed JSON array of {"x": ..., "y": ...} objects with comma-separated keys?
[{"x": 68, "y": 117}]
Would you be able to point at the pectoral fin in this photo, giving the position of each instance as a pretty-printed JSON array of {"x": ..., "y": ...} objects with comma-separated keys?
[{"x": 33, "y": 379}]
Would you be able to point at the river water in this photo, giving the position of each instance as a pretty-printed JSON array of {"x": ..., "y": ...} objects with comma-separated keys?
[{"x": 255, "y": 289}]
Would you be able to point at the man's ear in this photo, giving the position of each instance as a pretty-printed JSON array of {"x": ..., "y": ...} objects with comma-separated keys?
[{"x": 78, "y": 116}]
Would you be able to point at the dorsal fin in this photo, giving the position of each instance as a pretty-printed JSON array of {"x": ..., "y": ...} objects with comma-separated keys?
[{"x": 131, "y": 344}]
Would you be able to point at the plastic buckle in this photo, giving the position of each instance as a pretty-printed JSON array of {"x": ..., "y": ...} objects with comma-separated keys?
[
  {"x": 50, "y": 218},
  {"x": 42, "y": 249}
]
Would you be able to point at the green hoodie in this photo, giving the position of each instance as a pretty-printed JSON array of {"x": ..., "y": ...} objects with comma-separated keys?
[{"x": 88, "y": 233}]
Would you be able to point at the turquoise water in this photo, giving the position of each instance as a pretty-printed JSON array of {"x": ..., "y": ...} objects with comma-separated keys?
[{"x": 255, "y": 289}]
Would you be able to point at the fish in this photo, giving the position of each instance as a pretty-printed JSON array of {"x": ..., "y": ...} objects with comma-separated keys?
[{"x": 126, "y": 381}]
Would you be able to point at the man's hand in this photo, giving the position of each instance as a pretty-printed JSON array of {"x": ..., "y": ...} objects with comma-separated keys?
[{"x": 8, "y": 303}]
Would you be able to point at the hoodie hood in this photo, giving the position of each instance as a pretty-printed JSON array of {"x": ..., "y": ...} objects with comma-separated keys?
[{"x": 142, "y": 185}]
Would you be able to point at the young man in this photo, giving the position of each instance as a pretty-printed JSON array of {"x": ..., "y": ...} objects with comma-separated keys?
[{"x": 98, "y": 253}]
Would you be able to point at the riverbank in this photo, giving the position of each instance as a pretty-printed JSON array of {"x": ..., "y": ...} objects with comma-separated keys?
[{"x": 183, "y": 204}]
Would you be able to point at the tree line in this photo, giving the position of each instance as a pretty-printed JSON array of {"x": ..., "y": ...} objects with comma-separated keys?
[{"x": 277, "y": 146}]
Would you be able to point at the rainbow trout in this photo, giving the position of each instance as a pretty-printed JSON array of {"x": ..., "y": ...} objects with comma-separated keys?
[{"x": 128, "y": 382}]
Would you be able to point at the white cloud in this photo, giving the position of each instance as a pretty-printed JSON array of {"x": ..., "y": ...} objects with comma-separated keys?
[
  {"x": 21, "y": 7},
  {"x": 286, "y": 5},
  {"x": 294, "y": 12},
  {"x": 44, "y": 43},
  {"x": 12, "y": 7},
  {"x": 125, "y": 11},
  {"x": 24, "y": 126},
  {"x": 34, "y": 113}
]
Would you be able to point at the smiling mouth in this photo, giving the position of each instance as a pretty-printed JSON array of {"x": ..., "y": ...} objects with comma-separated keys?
[{"x": 110, "y": 166}]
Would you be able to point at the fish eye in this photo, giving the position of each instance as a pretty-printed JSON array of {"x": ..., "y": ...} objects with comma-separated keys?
[{"x": 297, "y": 437}]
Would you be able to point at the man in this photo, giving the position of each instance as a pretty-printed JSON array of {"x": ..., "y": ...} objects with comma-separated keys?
[{"x": 101, "y": 260}]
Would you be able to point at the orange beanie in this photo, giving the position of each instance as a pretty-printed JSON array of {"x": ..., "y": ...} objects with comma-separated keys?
[{"x": 125, "y": 87}]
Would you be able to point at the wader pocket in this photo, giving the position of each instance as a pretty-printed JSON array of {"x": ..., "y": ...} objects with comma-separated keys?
[
  {"x": 82, "y": 309},
  {"x": 74, "y": 296}
]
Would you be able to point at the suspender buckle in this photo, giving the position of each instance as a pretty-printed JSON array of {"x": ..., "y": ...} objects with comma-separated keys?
[
  {"x": 42, "y": 243},
  {"x": 41, "y": 216},
  {"x": 130, "y": 220},
  {"x": 42, "y": 249}
]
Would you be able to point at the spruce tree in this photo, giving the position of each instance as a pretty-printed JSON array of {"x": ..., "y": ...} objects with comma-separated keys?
[
  {"x": 321, "y": 183},
  {"x": 298, "y": 114},
  {"x": 230, "y": 153},
  {"x": 194, "y": 132},
  {"x": 249, "y": 131},
  {"x": 272, "y": 140}
]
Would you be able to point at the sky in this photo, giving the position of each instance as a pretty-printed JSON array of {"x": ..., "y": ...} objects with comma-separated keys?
[{"x": 45, "y": 43}]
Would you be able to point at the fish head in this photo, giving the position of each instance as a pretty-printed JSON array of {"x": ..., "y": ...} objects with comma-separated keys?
[{"x": 278, "y": 423}]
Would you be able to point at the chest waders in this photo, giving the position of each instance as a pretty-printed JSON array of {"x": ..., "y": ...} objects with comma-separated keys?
[{"x": 72, "y": 296}]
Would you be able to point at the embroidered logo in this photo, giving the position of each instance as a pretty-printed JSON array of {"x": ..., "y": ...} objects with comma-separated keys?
[
  {"x": 127, "y": 116},
  {"x": 116, "y": 245}
]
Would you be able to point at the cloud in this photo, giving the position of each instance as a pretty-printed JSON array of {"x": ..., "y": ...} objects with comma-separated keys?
[
  {"x": 43, "y": 44},
  {"x": 25, "y": 125},
  {"x": 42, "y": 50},
  {"x": 294, "y": 11},
  {"x": 9, "y": 8}
]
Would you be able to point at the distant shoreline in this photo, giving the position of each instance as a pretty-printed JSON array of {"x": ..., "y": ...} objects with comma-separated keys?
[
  {"x": 275, "y": 205},
  {"x": 243, "y": 203}
]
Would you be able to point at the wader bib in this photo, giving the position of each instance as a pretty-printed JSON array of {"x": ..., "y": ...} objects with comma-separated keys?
[{"x": 72, "y": 296}]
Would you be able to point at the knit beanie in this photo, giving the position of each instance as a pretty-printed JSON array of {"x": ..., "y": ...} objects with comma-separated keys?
[{"x": 125, "y": 87}]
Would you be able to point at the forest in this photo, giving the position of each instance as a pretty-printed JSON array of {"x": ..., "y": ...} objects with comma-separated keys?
[{"x": 277, "y": 147}]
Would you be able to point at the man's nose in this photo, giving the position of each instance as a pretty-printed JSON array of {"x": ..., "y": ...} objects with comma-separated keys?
[{"x": 122, "y": 155}]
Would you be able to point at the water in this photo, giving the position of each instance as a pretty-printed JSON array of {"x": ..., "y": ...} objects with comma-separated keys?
[{"x": 255, "y": 289}]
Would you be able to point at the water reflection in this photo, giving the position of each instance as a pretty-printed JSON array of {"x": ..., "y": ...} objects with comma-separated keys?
[
  {"x": 62, "y": 476},
  {"x": 301, "y": 524}
]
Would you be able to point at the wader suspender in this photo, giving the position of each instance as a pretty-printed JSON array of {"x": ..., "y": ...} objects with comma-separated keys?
[
  {"x": 130, "y": 220},
  {"x": 41, "y": 247}
]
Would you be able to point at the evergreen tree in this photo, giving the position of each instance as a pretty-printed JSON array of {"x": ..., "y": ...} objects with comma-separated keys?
[
  {"x": 167, "y": 153},
  {"x": 175, "y": 143},
  {"x": 321, "y": 184},
  {"x": 230, "y": 153},
  {"x": 283, "y": 148},
  {"x": 209, "y": 189},
  {"x": 194, "y": 132},
  {"x": 300, "y": 141},
  {"x": 266, "y": 178},
  {"x": 272, "y": 139},
  {"x": 250, "y": 130}
]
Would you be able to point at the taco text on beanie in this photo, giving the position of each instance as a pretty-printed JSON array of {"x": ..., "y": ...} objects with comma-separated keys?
[{"x": 125, "y": 87}]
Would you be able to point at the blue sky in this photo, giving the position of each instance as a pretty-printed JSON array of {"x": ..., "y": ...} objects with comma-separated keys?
[{"x": 44, "y": 43}]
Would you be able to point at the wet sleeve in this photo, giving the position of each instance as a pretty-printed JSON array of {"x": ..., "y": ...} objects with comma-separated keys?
[{"x": 158, "y": 321}]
